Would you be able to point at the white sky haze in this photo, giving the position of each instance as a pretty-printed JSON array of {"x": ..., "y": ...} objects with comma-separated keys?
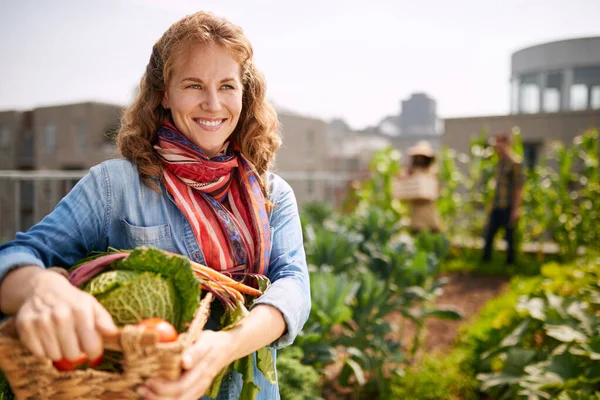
[{"x": 351, "y": 59}]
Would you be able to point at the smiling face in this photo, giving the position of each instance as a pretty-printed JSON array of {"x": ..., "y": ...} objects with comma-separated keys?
[{"x": 204, "y": 96}]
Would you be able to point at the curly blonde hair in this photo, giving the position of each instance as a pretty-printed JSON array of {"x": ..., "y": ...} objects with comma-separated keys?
[{"x": 257, "y": 131}]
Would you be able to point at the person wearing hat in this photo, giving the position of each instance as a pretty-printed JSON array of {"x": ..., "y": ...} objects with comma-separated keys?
[{"x": 424, "y": 215}]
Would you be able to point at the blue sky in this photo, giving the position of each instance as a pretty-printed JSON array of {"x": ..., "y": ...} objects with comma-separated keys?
[{"x": 351, "y": 59}]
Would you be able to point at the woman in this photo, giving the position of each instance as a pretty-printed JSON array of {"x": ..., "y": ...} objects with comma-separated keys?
[
  {"x": 423, "y": 213},
  {"x": 197, "y": 142}
]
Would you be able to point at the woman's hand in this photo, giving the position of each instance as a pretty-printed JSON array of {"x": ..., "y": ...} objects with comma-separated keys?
[
  {"x": 203, "y": 361},
  {"x": 213, "y": 351},
  {"x": 58, "y": 320}
]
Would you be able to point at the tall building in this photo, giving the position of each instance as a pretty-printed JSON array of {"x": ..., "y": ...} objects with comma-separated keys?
[
  {"x": 418, "y": 115},
  {"x": 555, "y": 96}
]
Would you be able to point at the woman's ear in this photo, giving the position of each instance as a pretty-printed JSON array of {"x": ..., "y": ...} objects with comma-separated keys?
[{"x": 165, "y": 101}]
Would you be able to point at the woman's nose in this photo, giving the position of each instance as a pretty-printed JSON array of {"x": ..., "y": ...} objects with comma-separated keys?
[{"x": 211, "y": 101}]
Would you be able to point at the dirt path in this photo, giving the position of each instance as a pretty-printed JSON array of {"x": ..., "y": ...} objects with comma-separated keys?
[{"x": 466, "y": 293}]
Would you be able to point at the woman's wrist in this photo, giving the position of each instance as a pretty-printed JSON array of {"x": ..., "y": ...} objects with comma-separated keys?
[{"x": 16, "y": 286}]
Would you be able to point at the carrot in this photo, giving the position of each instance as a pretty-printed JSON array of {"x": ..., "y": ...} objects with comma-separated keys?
[
  {"x": 223, "y": 289},
  {"x": 223, "y": 279}
]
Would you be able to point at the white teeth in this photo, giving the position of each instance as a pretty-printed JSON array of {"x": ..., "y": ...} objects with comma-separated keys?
[{"x": 209, "y": 123}]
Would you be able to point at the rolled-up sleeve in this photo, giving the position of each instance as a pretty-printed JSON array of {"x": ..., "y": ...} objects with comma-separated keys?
[{"x": 290, "y": 286}]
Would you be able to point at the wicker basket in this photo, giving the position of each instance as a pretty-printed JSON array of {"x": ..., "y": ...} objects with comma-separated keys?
[
  {"x": 32, "y": 377},
  {"x": 416, "y": 187}
]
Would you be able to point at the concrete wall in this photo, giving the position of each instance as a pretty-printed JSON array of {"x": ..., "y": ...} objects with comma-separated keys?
[
  {"x": 535, "y": 128},
  {"x": 10, "y": 127},
  {"x": 80, "y": 135},
  {"x": 557, "y": 56},
  {"x": 303, "y": 152}
]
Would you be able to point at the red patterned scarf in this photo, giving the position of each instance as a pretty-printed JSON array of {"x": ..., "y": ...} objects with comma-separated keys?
[{"x": 222, "y": 200}]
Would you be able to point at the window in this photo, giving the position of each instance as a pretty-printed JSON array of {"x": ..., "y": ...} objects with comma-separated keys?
[
  {"x": 579, "y": 97},
  {"x": 310, "y": 145},
  {"x": 552, "y": 98},
  {"x": 514, "y": 96},
  {"x": 4, "y": 137},
  {"x": 595, "y": 98},
  {"x": 531, "y": 153},
  {"x": 80, "y": 134},
  {"x": 529, "y": 96},
  {"x": 50, "y": 139}
]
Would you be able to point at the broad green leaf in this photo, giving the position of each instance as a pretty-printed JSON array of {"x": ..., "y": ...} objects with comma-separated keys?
[
  {"x": 496, "y": 379},
  {"x": 249, "y": 391},
  {"x": 352, "y": 368},
  {"x": 565, "y": 333},
  {"x": 266, "y": 365},
  {"x": 263, "y": 282},
  {"x": 516, "y": 360},
  {"x": 175, "y": 267},
  {"x": 535, "y": 307},
  {"x": 579, "y": 311},
  {"x": 215, "y": 386},
  {"x": 232, "y": 317},
  {"x": 442, "y": 313}
]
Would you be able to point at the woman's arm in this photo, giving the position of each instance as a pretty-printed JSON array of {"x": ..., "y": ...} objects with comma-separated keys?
[{"x": 53, "y": 318}]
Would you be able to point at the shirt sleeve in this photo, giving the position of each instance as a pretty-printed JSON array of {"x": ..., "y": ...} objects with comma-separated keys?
[
  {"x": 290, "y": 286},
  {"x": 73, "y": 229}
]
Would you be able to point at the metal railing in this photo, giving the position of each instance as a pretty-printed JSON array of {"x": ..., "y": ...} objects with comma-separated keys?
[{"x": 27, "y": 196}]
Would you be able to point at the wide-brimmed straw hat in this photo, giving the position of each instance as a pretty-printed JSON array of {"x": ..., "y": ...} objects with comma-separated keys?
[{"x": 422, "y": 148}]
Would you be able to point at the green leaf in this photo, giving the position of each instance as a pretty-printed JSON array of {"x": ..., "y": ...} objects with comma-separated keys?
[
  {"x": 516, "y": 360},
  {"x": 535, "y": 307},
  {"x": 232, "y": 317},
  {"x": 351, "y": 368},
  {"x": 249, "y": 391},
  {"x": 215, "y": 386},
  {"x": 175, "y": 267},
  {"x": 565, "y": 333},
  {"x": 266, "y": 365},
  {"x": 496, "y": 379},
  {"x": 263, "y": 282},
  {"x": 143, "y": 295},
  {"x": 442, "y": 313}
]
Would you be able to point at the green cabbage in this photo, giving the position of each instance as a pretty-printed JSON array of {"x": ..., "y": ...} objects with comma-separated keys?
[{"x": 149, "y": 283}]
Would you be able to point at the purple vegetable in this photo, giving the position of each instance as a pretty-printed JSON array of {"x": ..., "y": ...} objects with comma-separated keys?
[{"x": 90, "y": 269}]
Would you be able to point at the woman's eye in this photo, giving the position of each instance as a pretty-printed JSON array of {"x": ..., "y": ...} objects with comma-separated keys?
[
  {"x": 228, "y": 87},
  {"x": 194, "y": 87}
]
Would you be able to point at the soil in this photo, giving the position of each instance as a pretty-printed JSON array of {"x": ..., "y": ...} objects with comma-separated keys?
[{"x": 466, "y": 293}]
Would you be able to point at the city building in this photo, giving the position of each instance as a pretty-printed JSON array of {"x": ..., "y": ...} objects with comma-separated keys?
[
  {"x": 45, "y": 151},
  {"x": 416, "y": 121},
  {"x": 555, "y": 96}
]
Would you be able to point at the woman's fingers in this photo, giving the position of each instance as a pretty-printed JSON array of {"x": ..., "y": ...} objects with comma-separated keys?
[
  {"x": 64, "y": 324},
  {"x": 103, "y": 320},
  {"x": 90, "y": 339},
  {"x": 25, "y": 324},
  {"x": 59, "y": 320}
]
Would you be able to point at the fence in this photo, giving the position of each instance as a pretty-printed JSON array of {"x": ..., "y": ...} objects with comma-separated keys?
[{"x": 27, "y": 196}]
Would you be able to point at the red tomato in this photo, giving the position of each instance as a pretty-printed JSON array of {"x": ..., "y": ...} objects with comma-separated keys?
[
  {"x": 70, "y": 365},
  {"x": 80, "y": 363},
  {"x": 166, "y": 331},
  {"x": 96, "y": 362}
]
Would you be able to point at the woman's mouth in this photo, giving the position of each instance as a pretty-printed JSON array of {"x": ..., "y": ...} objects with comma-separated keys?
[{"x": 209, "y": 124}]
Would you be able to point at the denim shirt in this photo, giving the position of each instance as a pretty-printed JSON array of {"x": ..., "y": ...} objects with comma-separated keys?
[{"x": 111, "y": 206}]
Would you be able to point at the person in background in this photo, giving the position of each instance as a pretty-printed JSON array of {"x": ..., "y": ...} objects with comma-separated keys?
[
  {"x": 424, "y": 215},
  {"x": 507, "y": 198},
  {"x": 197, "y": 144}
]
